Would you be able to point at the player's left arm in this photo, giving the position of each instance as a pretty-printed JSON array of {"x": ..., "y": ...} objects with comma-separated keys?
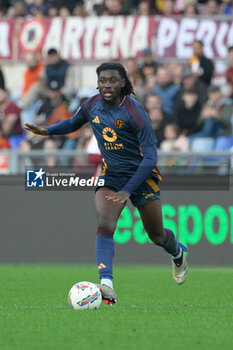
[
  {"x": 66, "y": 126},
  {"x": 147, "y": 141}
]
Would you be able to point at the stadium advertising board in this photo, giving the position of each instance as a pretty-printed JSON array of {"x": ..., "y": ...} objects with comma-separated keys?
[
  {"x": 60, "y": 226},
  {"x": 189, "y": 223},
  {"x": 101, "y": 38},
  {"x": 7, "y": 35}
]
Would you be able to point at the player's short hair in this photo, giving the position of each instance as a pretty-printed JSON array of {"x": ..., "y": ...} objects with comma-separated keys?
[{"x": 128, "y": 88}]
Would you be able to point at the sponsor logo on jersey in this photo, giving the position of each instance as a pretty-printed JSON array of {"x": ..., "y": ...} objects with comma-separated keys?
[
  {"x": 119, "y": 124},
  {"x": 109, "y": 134},
  {"x": 113, "y": 146}
]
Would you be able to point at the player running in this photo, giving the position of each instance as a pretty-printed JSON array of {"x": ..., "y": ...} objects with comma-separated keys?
[{"x": 128, "y": 145}]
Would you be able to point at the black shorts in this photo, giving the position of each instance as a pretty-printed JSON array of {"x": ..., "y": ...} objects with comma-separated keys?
[{"x": 146, "y": 192}]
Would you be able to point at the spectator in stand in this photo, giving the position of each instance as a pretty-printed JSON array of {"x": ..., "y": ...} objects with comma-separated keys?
[
  {"x": 83, "y": 164},
  {"x": 229, "y": 73},
  {"x": 50, "y": 109},
  {"x": 158, "y": 122},
  {"x": 50, "y": 146},
  {"x": 147, "y": 88},
  {"x": 33, "y": 87},
  {"x": 52, "y": 12},
  {"x": 113, "y": 8},
  {"x": 190, "y": 9},
  {"x": 169, "y": 9},
  {"x": 4, "y": 6},
  {"x": 146, "y": 57},
  {"x": 2, "y": 80},
  {"x": 60, "y": 71},
  {"x": 147, "y": 81},
  {"x": 80, "y": 11},
  {"x": 25, "y": 146},
  {"x": 18, "y": 9},
  {"x": 53, "y": 107},
  {"x": 147, "y": 70},
  {"x": 93, "y": 6},
  {"x": 10, "y": 121},
  {"x": 153, "y": 101},
  {"x": 202, "y": 66},
  {"x": 174, "y": 140},
  {"x": 56, "y": 68},
  {"x": 227, "y": 7},
  {"x": 159, "y": 119},
  {"x": 131, "y": 6},
  {"x": 38, "y": 8},
  {"x": 32, "y": 83},
  {"x": 191, "y": 82},
  {"x": 216, "y": 114},
  {"x": 132, "y": 69},
  {"x": 144, "y": 9},
  {"x": 212, "y": 8},
  {"x": 188, "y": 111},
  {"x": 166, "y": 90},
  {"x": 64, "y": 12},
  {"x": 70, "y": 4},
  {"x": 176, "y": 71},
  {"x": 156, "y": 6},
  {"x": 32, "y": 72}
]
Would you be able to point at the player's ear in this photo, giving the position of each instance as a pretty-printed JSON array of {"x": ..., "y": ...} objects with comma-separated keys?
[{"x": 122, "y": 82}]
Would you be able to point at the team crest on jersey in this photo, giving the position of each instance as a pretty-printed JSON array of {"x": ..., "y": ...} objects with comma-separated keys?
[
  {"x": 109, "y": 134},
  {"x": 119, "y": 124}
]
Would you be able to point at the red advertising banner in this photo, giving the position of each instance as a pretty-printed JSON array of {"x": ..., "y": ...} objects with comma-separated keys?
[
  {"x": 102, "y": 38},
  {"x": 88, "y": 38},
  {"x": 174, "y": 37},
  {"x": 7, "y": 30}
]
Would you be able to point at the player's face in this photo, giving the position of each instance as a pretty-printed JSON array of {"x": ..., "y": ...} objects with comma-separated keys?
[{"x": 110, "y": 84}]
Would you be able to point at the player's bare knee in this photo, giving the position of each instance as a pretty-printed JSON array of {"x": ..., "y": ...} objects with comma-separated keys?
[{"x": 104, "y": 222}]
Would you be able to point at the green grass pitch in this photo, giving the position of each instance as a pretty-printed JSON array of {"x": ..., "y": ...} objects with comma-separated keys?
[{"x": 153, "y": 312}]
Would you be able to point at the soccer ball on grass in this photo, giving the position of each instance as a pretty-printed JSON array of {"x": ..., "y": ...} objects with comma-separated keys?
[{"x": 84, "y": 296}]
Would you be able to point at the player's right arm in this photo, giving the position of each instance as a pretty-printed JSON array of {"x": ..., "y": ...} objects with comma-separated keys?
[{"x": 66, "y": 126}]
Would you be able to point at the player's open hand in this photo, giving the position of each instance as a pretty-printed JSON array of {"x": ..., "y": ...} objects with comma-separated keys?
[
  {"x": 35, "y": 129},
  {"x": 120, "y": 196}
]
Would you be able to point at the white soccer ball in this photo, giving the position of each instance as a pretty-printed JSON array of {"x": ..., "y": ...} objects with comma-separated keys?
[{"x": 84, "y": 296}]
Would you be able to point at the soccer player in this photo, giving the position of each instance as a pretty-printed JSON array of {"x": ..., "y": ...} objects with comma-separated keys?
[{"x": 128, "y": 146}]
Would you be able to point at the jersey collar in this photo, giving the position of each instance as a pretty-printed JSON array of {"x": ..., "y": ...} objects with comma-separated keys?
[{"x": 117, "y": 106}]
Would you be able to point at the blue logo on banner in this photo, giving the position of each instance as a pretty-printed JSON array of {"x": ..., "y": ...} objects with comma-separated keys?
[{"x": 35, "y": 178}]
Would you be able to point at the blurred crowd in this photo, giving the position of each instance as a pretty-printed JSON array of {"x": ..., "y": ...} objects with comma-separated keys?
[
  {"x": 83, "y": 8},
  {"x": 182, "y": 102}
]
